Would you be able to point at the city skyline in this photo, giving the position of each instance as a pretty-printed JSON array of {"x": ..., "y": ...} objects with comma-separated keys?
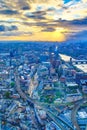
[{"x": 37, "y": 20}]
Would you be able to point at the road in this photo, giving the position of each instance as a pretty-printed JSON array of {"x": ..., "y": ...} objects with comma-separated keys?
[
  {"x": 74, "y": 112},
  {"x": 56, "y": 121},
  {"x": 32, "y": 103},
  {"x": 23, "y": 96},
  {"x": 60, "y": 119}
]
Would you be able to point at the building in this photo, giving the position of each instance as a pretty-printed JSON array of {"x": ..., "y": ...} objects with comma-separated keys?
[{"x": 80, "y": 76}]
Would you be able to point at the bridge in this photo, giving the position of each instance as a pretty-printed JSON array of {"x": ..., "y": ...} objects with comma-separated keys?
[{"x": 74, "y": 62}]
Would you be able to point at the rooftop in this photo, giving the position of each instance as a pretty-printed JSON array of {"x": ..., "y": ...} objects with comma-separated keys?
[{"x": 82, "y": 67}]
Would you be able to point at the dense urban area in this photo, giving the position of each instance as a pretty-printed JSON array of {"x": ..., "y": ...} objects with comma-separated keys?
[{"x": 43, "y": 86}]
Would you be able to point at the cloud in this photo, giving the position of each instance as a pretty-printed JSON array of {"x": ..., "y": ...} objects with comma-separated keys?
[
  {"x": 35, "y": 15},
  {"x": 50, "y": 9},
  {"x": 74, "y": 23},
  {"x": 79, "y": 36},
  {"x": 38, "y": 13},
  {"x": 79, "y": 22},
  {"x": 14, "y": 33},
  {"x": 43, "y": 16},
  {"x": 50, "y": 29},
  {"x": 2, "y": 28},
  {"x": 25, "y": 8},
  {"x": 8, "y": 12},
  {"x": 12, "y": 28},
  {"x": 76, "y": 9},
  {"x": 84, "y": 1}
]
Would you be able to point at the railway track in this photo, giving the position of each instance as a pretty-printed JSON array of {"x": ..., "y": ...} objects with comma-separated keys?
[{"x": 32, "y": 104}]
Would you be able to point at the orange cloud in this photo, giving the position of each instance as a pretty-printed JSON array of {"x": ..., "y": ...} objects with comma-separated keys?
[{"x": 41, "y": 36}]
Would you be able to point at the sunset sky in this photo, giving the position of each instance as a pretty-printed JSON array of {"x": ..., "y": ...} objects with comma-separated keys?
[{"x": 43, "y": 20}]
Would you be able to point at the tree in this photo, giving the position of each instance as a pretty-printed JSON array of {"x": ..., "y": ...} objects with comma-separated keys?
[
  {"x": 12, "y": 84},
  {"x": 7, "y": 94}
]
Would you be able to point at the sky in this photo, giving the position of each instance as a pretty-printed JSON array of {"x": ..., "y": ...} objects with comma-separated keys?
[{"x": 43, "y": 20}]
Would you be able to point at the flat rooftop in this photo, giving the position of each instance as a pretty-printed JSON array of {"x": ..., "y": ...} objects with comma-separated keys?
[
  {"x": 65, "y": 57},
  {"x": 82, "y": 67},
  {"x": 82, "y": 114}
]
